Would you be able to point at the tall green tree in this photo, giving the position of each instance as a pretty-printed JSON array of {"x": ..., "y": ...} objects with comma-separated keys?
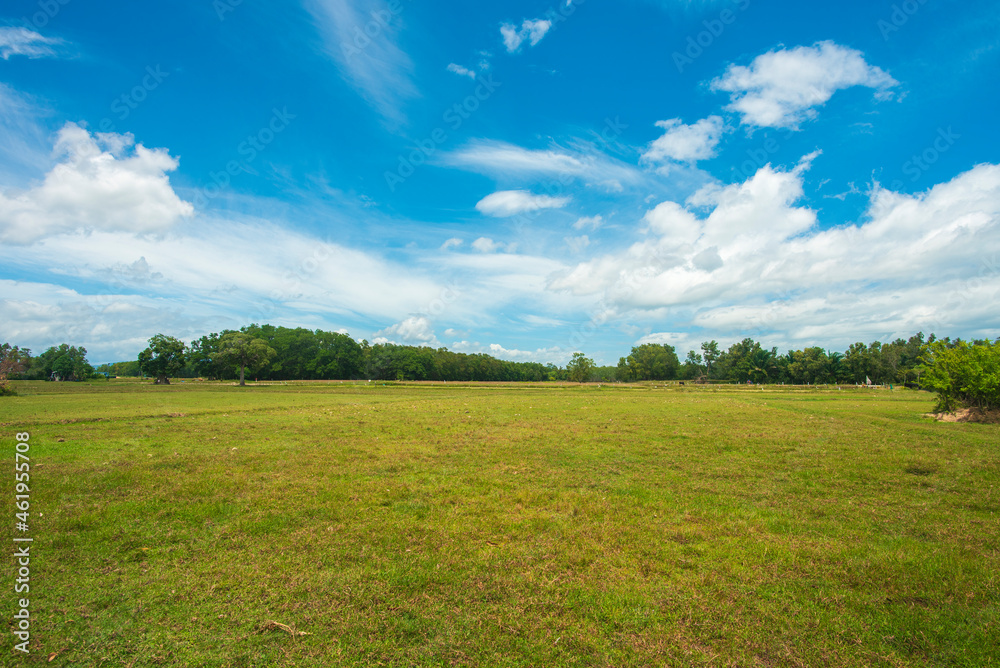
[
  {"x": 710, "y": 353},
  {"x": 693, "y": 367},
  {"x": 747, "y": 361},
  {"x": 650, "y": 361},
  {"x": 579, "y": 368},
  {"x": 204, "y": 357},
  {"x": 164, "y": 357},
  {"x": 809, "y": 366},
  {"x": 239, "y": 349}
]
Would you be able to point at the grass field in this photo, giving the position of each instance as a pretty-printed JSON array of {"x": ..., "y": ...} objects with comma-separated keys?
[{"x": 492, "y": 525}]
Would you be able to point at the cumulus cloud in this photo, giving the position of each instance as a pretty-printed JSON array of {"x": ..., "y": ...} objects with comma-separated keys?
[
  {"x": 588, "y": 222},
  {"x": 507, "y": 203},
  {"x": 531, "y": 31},
  {"x": 672, "y": 221},
  {"x": 757, "y": 262},
  {"x": 454, "y": 242},
  {"x": 685, "y": 143},
  {"x": 554, "y": 355},
  {"x": 413, "y": 331},
  {"x": 102, "y": 182},
  {"x": 23, "y": 42},
  {"x": 461, "y": 71},
  {"x": 782, "y": 88},
  {"x": 487, "y": 245}
]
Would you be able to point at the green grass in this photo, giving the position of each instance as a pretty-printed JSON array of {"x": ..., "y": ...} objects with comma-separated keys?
[{"x": 441, "y": 525}]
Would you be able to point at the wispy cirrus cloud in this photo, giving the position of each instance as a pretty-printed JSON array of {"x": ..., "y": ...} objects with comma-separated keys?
[
  {"x": 362, "y": 38},
  {"x": 504, "y": 160},
  {"x": 15, "y": 41},
  {"x": 782, "y": 88},
  {"x": 24, "y": 142}
]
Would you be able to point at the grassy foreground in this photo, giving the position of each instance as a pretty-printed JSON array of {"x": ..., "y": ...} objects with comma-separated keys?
[{"x": 398, "y": 525}]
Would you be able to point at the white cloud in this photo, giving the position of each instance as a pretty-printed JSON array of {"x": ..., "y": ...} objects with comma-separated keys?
[
  {"x": 685, "y": 143},
  {"x": 507, "y": 203},
  {"x": 671, "y": 220},
  {"x": 362, "y": 39},
  {"x": 577, "y": 244},
  {"x": 500, "y": 157},
  {"x": 554, "y": 355},
  {"x": 781, "y": 88},
  {"x": 101, "y": 183},
  {"x": 757, "y": 263},
  {"x": 25, "y": 145},
  {"x": 531, "y": 31},
  {"x": 413, "y": 331},
  {"x": 589, "y": 222},
  {"x": 461, "y": 71},
  {"x": 23, "y": 42},
  {"x": 454, "y": 242},
  {"x": 502, "y": 160},
  {"x": 537, "y": 29},
  {"x": 487, "y": 245},
  {"x": 112, "y": 326},
  {"x": 244, "y": 270}
]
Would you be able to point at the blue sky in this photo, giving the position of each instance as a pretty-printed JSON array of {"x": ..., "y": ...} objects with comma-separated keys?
[{"x": 525, "y": 179}]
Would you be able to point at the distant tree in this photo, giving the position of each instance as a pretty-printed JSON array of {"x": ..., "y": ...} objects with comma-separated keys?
[
  {"x": 650, "y": 361},
  {"x": 13, "y": 362},
  {"x": 239, "y": 349},
  {"x": 745, "y": 361},
  {"x": 204, "y": 357},
  {"x": 579, "y": 368},
  {"x": 693, "y": 367},
  {"x": 64, "y": 361},
  {"x": 604, "y": 374},
  {"x": 164, "y": 357},
  {"x": 710, "y": 354},
  {"x": 858, "y": 363},
  {"x": 809, "y": 366},
  {"x": 112, "y": 369}
]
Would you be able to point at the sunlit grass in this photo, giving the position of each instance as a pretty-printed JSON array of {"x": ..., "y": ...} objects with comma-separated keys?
[{"x": 506, "y": 526}]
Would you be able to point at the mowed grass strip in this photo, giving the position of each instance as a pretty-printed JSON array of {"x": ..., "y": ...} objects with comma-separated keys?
[{"x": 345, "y": 524}]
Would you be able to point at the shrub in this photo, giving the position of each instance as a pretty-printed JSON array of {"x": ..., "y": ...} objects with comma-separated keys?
[{"x": 963, "y": 374}]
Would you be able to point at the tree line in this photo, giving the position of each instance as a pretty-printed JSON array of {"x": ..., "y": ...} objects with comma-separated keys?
[{"x": 270, "y": 352}]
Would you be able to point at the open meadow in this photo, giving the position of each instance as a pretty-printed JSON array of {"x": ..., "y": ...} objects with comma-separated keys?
[{"x": 320, "y": 524}]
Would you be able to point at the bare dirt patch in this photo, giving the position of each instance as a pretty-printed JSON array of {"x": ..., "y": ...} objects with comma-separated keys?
[{"x": 968, "y": 415}]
